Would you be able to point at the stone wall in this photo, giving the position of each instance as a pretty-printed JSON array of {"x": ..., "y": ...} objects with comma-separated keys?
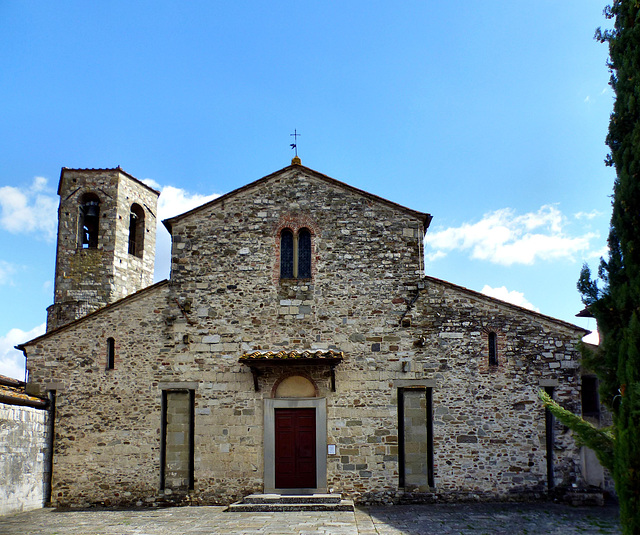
[
  {"x": 23, "y": 432},
  {"x": 108, "y": 421},
  {"x": 488, "y": 422},
  {"x": 368, "y": 298}
]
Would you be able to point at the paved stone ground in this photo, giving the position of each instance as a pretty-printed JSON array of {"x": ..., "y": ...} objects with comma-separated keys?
[{"x": 405, "y": 519}]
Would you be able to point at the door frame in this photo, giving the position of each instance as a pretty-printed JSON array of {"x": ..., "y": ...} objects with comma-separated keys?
[{"x": 270, "y": 405}]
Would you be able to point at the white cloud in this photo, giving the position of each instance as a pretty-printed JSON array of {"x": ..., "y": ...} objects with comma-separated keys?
[
  {"x": 173, "y": 201},
  {"x": 513, "y": 297},
  {"x": 11, "y": 360},
  {"x": 603, "y": 252},
  {"x": 587, "y": 215},
  {"x": 432, "y": 257},
  {"x": 502, "y": 237},
  {"x": 151, "y": 183},
  {"x": 6, "y": 271},
  {"x": 29, "y": 210}
]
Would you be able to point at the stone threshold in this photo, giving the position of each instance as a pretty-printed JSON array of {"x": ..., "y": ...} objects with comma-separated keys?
[{"x": 291, "y": 502}]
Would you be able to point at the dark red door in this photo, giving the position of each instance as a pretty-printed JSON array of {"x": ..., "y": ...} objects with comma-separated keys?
[{"x": 295, "y": 448}]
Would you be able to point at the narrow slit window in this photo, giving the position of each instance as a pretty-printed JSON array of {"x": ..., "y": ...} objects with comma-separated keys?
[
  {"x": 286, "y": 254},
  {"x": 88, "y": 221},
  {"x": 136, "y": 230},
  {"x": 111, "y": 353},
  {"x": 493, "y": 349}
]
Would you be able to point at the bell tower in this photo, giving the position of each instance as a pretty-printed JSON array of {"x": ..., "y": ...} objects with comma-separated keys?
[{"x": 106, "y": 241}]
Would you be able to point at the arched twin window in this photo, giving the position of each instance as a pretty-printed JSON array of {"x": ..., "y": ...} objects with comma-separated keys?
[
  {"x": 295, "y": 254},
  {"x": 136, "y": 230},
  {"x": 88, "y": 221}
]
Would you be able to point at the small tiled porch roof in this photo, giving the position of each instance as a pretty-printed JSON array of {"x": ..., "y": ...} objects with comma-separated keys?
[
  {"x": 261, "y": 359},
  {"x": 273, "y": 356}
]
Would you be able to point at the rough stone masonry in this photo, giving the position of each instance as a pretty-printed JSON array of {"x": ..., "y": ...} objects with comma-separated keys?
[{"x": 410, "y": 407}]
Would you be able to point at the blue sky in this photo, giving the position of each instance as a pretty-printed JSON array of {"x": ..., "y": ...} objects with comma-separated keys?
[{"x": 491, "y": 116}]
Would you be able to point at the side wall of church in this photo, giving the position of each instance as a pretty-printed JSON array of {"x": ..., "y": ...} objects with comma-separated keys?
[
  {"x": 107, "y": 421},
  {"x": 489, "y": 426}
]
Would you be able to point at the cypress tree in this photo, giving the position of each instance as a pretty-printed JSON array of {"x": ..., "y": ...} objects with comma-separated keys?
[{"x": 616, "y": 306}]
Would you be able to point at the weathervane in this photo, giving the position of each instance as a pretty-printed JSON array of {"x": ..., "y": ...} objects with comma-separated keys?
[{"x": 294, "y": 145}]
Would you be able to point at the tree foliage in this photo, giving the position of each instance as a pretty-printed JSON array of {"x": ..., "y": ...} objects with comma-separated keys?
[
  {"x": 600, "y": 440},
  {"x": 614, "y": 300}
]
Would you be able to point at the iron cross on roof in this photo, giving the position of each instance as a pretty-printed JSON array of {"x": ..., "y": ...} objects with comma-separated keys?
[{"x": 294, "y": 145}]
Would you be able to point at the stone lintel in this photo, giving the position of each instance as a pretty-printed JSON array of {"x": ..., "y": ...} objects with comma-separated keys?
[
  {"x": 414, "y": 383},
  {"x": 548, "y": 382},
  {"x": 178, "y": 385}
]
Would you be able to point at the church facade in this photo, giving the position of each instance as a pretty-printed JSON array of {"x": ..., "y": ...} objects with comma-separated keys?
[{"x": 297, "y": 347}]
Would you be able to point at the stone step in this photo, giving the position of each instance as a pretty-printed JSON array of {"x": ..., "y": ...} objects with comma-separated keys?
[
  {"x": 240, "y": 507},
  {"x": 291, "y": 502},
  {"x": 292, "y": 498}
]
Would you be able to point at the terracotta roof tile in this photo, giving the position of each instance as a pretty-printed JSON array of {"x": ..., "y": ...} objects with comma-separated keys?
[
  {"x": 293, "y": 355},
  {"x": 12, "y": 395}
]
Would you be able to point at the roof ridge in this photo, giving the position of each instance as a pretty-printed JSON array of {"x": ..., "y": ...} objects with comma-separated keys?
[
  {"x": 21, "y": 347},
  {"x": 99, "y": 169},
  {"x": 423, "y": 216},
  {"x": 506, "y": 303}
]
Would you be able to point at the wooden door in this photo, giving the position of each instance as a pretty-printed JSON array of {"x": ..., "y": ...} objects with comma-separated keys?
[{"x": 295, "y": 448}]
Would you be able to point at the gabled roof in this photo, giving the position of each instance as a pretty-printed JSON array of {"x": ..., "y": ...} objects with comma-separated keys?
[
  {"x": 485, "y": 297},
  {"x": 119, "y": 169},
  {"x": 110, "y": 306},
  {"x": 424, "y": 217}
]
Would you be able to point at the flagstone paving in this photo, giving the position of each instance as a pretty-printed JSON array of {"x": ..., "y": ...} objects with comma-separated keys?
[{"x": 456, "y": 519}]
